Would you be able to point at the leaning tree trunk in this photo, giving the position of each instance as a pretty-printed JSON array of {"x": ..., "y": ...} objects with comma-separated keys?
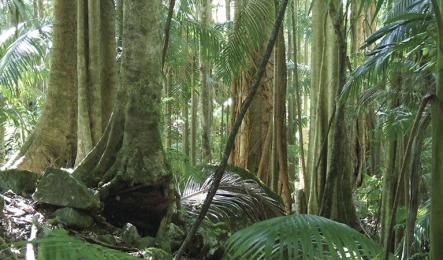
[
  {"x": 129, "y": 160},
  {"x": 53, "y": 142},
  {"x": 437, "y": 146},
  {"x": 96, "y": 71}
]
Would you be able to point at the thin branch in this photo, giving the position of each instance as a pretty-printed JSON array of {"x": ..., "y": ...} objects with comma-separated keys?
[
  {"x": 166, "y": 31},
  {"x": 238, "y": 121}
]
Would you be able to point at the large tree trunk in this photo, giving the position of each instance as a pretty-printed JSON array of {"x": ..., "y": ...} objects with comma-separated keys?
[
  {"x": 53, "y": 142},
  {"x": 251, "y": 147},
  {"x": 96, "y": 71},
  {"x": 129, "y": 160},
  {"x": 337, "y": 200},
  {"x": 317, "y": 158}
]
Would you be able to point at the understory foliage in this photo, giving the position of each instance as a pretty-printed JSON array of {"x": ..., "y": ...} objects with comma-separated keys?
[{"x": 300, "y": 237}]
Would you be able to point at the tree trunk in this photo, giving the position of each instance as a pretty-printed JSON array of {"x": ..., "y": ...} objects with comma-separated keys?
[
  {"x": 298, "y": 107},
  {"x": 205, "y": 95},
  {"x": 168, "y": 112},
  {"x": 194, "y": 107},
  {"x": 317, "y": 158},
  {"x": 96, "y": 71},
  {"x": 251, "y": 139},
  {"x": 228, "y": 10},
  {"x": 437, "y": 146},
  {"x": 129, "y": 160},
  {"x": 280, "y": 120},
  {"x": 337, "y": 194},
  {"x": 186, "y": 130},
  {"x": 53, "y": 142}
]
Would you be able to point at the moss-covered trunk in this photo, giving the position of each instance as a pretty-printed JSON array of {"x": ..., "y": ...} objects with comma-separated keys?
[{"x": 129, "y": 160}]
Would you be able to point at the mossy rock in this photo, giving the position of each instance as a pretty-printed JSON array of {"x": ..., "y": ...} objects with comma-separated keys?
[
  {"x": 73, "y": 218},
  {"x": 131, "y": 237},
  {"x": 59, "y": 188},
  {"x": 19, "y": 181}
]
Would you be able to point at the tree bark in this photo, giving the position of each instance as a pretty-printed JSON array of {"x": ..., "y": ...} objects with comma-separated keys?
[
  {"x": 53, "y": 142},
  {"x": 194, "y": 108},
  {"x": 96, "y": 71},
  {"x": 251, "y": 140},
  {"x": 205, "y": 95},
  {"x": 280, "y": 120},
  {"x": 437, "y": 146},
  {"x": 129, "y": 160}
]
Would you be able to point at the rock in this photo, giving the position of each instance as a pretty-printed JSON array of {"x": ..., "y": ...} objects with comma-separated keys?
[
  {"x": 154, "y": 253},
  {"x": 130, "y": 234},
  {"x": 59, "y": 188},
  {"x": 19, "y": 181},
  {"x": 131, "y": 237},
  {"x": 144, "y": 242},
  {"x": 73, "y": 218},
  {"x": 176, "y": 236}
]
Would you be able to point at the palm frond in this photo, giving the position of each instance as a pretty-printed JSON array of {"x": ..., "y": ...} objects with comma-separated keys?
[
  {"x": 300, "y": 237},
  {"x": 245, "y": 38},
  {"x": 409, "y": 30},
  {"x": 25, "y": 54},
  {"x": 236, "y": 197}
]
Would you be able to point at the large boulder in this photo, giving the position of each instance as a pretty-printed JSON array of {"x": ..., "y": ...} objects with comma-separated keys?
[
  {"x": 19, "y": 181},
  {"x": 59, "y": 188}
]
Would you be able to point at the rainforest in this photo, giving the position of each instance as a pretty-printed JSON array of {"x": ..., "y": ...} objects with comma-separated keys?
[{"x": 221, "y": 129}]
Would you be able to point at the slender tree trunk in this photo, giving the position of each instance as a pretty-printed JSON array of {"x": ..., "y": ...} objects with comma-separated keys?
[
  {"x": 298, "y": 108},
  {"x": 413, "y": 188},
  {"x": 228, "y": 10},
  {"x": 168, "y": 112},
  {"x": 186, "y": 130},
  {"x": 53, "y": 142},
  {"x": 391, "y": 172},
  {"x": 194, "y": 107},
  {"x": 205, "y": 95},
  {"x": 437, "y": 146},
  {"x": 280, "y": 120}
]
